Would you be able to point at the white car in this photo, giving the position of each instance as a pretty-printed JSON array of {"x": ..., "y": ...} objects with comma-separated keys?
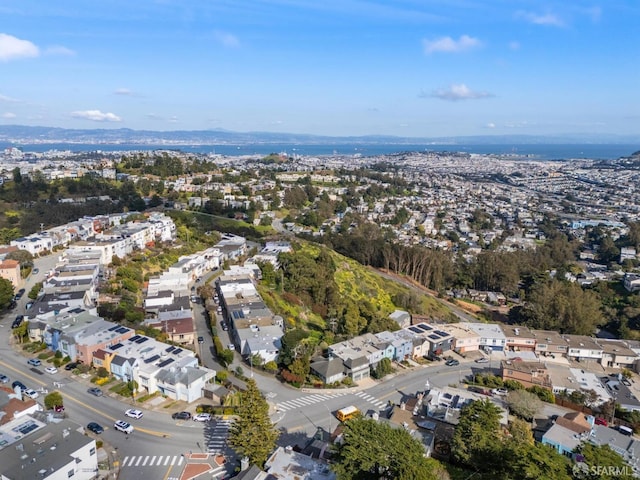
[
  {"x": 123, "y": 426},
  {"x": 500, "y": 391},
  {"x": 202, "y": 417},
  {"x": 31, "y": 393},
  {"x": 51, "y": 370},
  {"x": 482, "y": 360},
  {"x": 231, "y": 346},
  {"x": 133, "y": 413}
]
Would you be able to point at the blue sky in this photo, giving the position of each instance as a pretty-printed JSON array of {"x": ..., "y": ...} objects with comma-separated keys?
[{"x": 423, "y": 68}]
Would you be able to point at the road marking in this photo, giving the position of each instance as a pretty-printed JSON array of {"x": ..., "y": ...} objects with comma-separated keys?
[
  {"x": 87, "y": 406},
  {"x": 139, "y": 460},
  {"x": 145, "y": 460}
]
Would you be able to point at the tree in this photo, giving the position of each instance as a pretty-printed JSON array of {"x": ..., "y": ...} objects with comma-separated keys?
[
  {"x": 52, "y": 400},
  {"x": 599, "y": 456},
  {"x": 252, "y": 434},
  {"x": 524, "y": 404},
  {"x": 6, "y": 292},
  {"x": 477, "y": 440},
  {"x": 371, "y": 450}
]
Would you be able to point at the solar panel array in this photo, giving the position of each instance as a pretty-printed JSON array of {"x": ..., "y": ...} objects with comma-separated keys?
[{"x": 166, "y": 362}]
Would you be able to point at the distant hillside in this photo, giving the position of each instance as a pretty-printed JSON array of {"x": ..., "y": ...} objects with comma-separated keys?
[{"x": 19, "y": 134}]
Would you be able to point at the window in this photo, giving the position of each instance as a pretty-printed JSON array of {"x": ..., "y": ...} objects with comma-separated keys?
[
  {"x": 92, "y": 451},
  {"x": 71, "y": 473}
]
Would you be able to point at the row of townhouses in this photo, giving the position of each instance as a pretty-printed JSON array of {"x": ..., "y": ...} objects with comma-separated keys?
[
  {"x": 354, "y": 358},
  {"x": 254, "y": 328}
]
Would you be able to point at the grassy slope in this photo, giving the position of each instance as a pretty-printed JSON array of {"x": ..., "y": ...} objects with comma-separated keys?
[{"x": 355, "y": 282}]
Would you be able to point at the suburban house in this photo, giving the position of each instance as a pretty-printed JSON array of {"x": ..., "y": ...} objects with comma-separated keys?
[
  {"x": 10, "y": 270},
  {"x": 492, "y": 338},
  {"x": 568, "y": 431},
  {"x": 12, "y": 405},
  {"x": 465, "y": 339},
  {"x": 528, "y": 374},
  {"x": 59, "y": 449},
  {"x": 519, "y": 339}
]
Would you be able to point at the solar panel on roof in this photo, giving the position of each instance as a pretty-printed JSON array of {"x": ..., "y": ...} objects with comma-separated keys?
[
  {"x": 122, "y": 330},
  {"x": 164, "y": 363},
  {"x": 114, "y": 328},
  {"x": 116, "y": 346},
  {"x": 442, "y": 333},
  {"x": 434, "y": 337},
  {"x": 152, "y": 359},
  {"x": 134, "y": 338},
  {"x": 177, "y": 351},
  {"x": 141, "y": 340},
  {"x": 424, "y": 327},
  {"x": 415, "y": 330},
  {"x": 170, "y": 349}
]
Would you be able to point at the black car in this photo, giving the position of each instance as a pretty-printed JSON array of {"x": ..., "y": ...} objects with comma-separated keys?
[
  {"x": 95, "y": 427},
  {"x": 200, "y": 339},
  {"x": 70, "y": 366},
  {"x": 18, "y": 321},
  {"x": 19, "y": 384},
  {"x": 181, "y": 416},
  {"x": 20, "y": 294}
]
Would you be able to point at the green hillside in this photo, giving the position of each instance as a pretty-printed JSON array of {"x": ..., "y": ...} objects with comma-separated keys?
[{"x": 323, "y": 291}]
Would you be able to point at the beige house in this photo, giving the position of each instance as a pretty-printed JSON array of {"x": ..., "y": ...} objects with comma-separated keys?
[
  {"x": 465, "y": 339},
  {"x": 527, "y": 373},
  {"x": 519, "y": 339},
  {"x": 617, "y": 354},
  {"x": 10, "y": 270}
]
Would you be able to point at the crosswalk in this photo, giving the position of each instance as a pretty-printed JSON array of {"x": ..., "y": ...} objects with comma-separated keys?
[
  {"x": 152, "y": 461},
  {"x": 216, "y": 435},
  {"x": 319, "y": 398},
  {"x": 306, "y": 401},
  {"x": 371, "y": 399}
]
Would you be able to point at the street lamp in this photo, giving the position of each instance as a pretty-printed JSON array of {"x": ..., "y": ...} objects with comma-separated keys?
[{"x": 329, "y": 412}]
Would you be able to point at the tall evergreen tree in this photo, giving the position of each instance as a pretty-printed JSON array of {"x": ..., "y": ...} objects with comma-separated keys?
[{"x": 252, "y": 434}]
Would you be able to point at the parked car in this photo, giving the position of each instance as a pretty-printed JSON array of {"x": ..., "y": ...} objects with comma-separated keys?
[
  {"x": 224, "y": 326},
  {"x": 601, "y": 421},
  {"x": 181, "y": 416},
  {"x": 19, "y": 294},
  {"x": 123, "y": 426},
  {"x": 202, "y": 417},
  {"x": 95, "y": 391},
  {"x": 133, "y": 413},
  {"x": 34, "y": 362},
  {"x": 95, "y": 427},
  {"x": 452, "y": 362},
  {"x": 28, "y": 305},
  {"x": 31, "y": 393},
  {"x": 500, "y": 391},
  {"x": 482, "y": 360},
  {"x": 58, "y": 408},
  {"x": 19, "y": 384},
  {"x": 4, "y": 378},
  {"x": 200, "y": 339},
  {"x": 51, "y": 370},
  {"x": 18, "y": 321},
  {"x": 70, "y": 366},
  {"x": 35, "y": 270},
  {"x": 231, "y": 346}
]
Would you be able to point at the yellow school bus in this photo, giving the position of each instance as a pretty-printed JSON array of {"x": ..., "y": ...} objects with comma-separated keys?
[{"x": 346, "y": 413}]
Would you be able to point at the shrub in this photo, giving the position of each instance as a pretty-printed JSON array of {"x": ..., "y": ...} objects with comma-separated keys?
[
  {"x": 271, "y": 367},
  {"x": 58, "y": 354}
]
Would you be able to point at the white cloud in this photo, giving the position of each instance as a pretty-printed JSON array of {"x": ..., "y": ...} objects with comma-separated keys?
[
  {"x": 12, "y": 48},
  {"x": 96, "y": 116},
  {"x": 9, "y": 115},
  {"x": 123, "y": 91},
  {"x": 514, "y": 45},
  {"x": 450, "y": 45},
  {"x": 59, "y": 50},
  {"x": 548, "y": 19},
  {"x": 4, "y": 98},
  {"x": 173, "y": 119},
  {"x": 457, "y": 92},
  {"x": 490, "y": 125},
  {"x": 226, "y": 39}
]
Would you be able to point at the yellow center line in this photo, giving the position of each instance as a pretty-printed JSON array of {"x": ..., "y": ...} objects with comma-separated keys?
[{"x": 84, "y": 405}]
